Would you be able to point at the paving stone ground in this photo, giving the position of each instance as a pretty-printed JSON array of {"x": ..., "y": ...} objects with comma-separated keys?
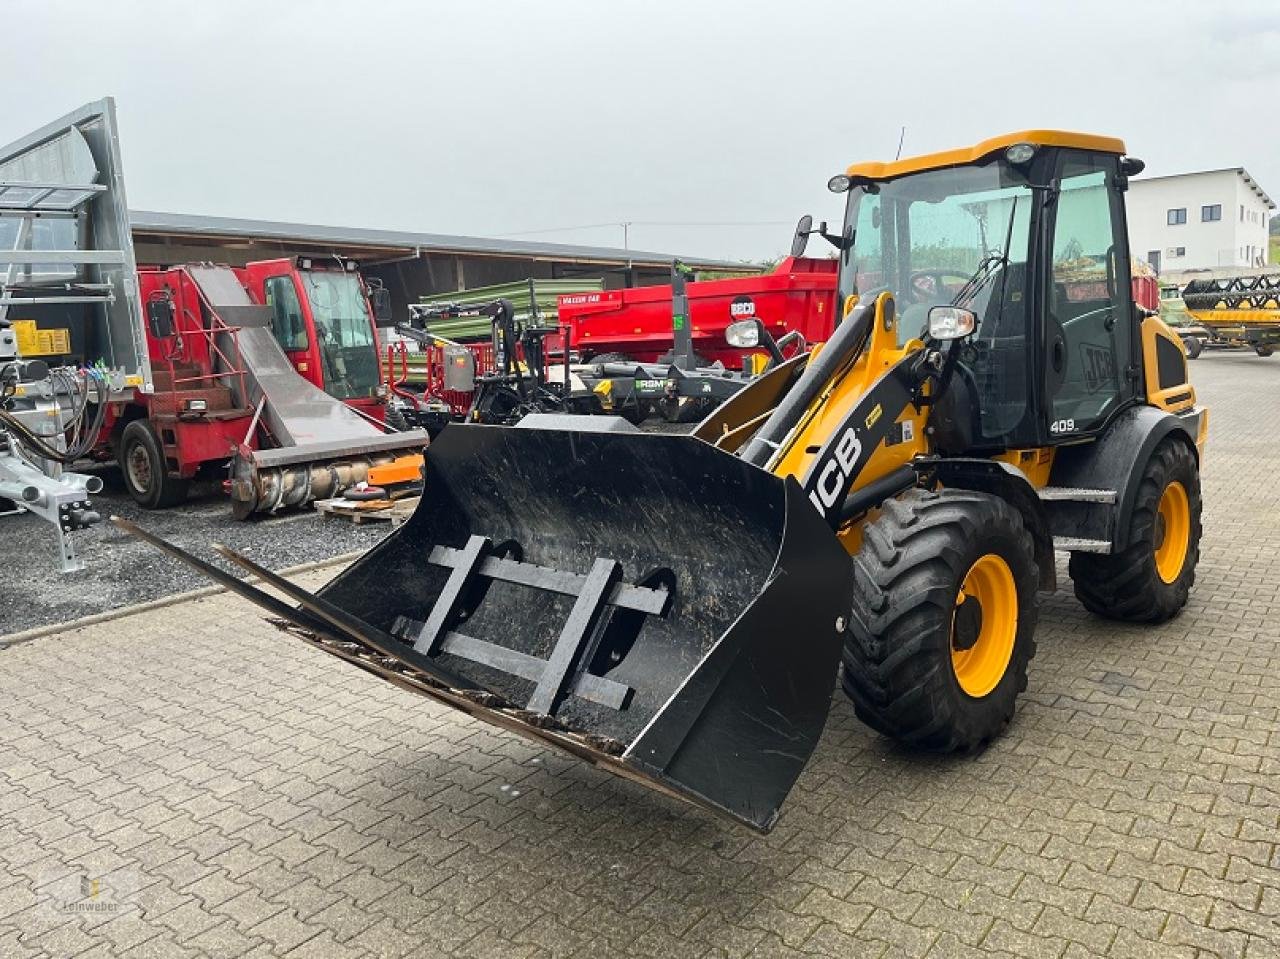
[{"x": 188, "y": 782}]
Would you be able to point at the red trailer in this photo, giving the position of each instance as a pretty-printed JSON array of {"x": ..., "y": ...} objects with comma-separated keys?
[{"x": 799, "y": 295}]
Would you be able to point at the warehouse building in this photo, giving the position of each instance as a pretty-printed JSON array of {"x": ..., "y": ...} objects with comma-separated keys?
[
  {"x": 410, "y": 265},
  {"x": 1214, "y": 220}
]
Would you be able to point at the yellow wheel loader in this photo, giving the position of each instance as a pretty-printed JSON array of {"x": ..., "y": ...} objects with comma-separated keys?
[{"x": 880, "y": 512}]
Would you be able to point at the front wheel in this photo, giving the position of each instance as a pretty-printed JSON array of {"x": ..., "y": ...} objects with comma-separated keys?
[
  {"x": 146, "y": 473},
  {"x": 1192, "y": 347},
  {"x": 1264, "y": 350},
  {"x": 1149, "y": 580},
  {"x": 944, "y": 619}
]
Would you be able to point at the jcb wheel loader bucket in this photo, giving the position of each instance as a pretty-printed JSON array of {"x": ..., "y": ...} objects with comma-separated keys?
[
  {"x": 699, "y": 652},
  {"x": 648, "y": 603}
]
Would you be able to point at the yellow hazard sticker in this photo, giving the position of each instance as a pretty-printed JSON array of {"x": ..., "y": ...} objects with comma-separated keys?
[
  {"x": 33, "y": 341},
  {"x": 874, "y": 415}
]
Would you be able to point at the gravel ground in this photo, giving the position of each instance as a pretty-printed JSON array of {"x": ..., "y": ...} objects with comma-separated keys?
[{"x": 122, "y": 571}]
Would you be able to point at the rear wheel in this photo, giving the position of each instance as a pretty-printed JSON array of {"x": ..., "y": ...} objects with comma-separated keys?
[
  {"x": 1149, "y": 580},
  {"x": 1193, "y": 347},
  {"x": 943, "y": 620},
  {"x": 1264, "y": 350},
  {"x": 146, "y": 474}
]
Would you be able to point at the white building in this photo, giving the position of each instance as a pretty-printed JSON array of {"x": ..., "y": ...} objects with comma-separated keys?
[{"x": 1213, "y": 220}]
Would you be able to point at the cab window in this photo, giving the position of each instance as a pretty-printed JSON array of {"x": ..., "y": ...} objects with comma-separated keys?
[
  {"x": 286, "y": 313},
  {"x": 1088, "y": 336}
]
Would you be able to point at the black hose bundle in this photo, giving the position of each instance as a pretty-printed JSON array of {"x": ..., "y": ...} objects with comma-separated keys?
[{"x": 79, "y": 439}]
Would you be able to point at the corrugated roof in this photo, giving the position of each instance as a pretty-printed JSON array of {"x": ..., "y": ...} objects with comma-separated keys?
[{"x": 219, "y": 227}]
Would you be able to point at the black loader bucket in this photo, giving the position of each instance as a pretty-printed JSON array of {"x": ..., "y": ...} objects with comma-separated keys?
[{"x": 646, "y": 602}]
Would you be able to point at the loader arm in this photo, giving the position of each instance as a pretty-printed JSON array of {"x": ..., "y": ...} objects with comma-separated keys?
[{"x": 852, "y": 416}]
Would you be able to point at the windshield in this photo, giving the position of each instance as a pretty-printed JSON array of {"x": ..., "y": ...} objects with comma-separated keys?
[
  {"x": 955, "y": 236},
  {"x": 344, "y": 333}
]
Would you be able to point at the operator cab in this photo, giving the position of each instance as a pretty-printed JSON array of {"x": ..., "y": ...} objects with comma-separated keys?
[
  {"x": 322, "y": 318},
  {"x": 1028, "y": 236}
]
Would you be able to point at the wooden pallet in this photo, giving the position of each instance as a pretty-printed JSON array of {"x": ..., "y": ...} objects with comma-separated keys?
[{"x": 368, "y": 511}]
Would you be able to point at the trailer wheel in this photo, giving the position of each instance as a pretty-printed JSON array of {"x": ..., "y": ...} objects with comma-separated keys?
[
  {"x": 944, "y": 618},
  {"x": 1148, "y": 581},
  {"x": 146, "y": 474},
  {"x": 396, "y": 419},
  {"x": 1192, "y": 347}
]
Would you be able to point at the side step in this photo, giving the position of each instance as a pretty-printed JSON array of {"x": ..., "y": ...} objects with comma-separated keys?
[
  {"x": 1074, "y": 544},
  {"x": 1068, "y": 494},
  {"x": 1074, "y": 511}
]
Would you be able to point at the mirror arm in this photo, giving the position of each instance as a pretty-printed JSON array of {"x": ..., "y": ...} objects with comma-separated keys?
[
  {"x": 942, "y": 378},
  {"x": 769, "y": 343},
  {"x": 841, "y": 243}
]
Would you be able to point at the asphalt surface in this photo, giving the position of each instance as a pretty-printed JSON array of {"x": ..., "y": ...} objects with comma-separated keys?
[{"x": 121, "y": 571}]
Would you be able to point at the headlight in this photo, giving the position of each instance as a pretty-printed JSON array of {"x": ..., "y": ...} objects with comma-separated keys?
[
  {"x": 951, "y": 323},
  {"x": 1020, "y": 153},
  {"x": 744, "y": 334},
  {"x": 839, "y": 183}
]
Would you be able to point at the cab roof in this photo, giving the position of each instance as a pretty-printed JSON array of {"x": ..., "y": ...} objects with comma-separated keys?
[{"x": 965, "y": 155}]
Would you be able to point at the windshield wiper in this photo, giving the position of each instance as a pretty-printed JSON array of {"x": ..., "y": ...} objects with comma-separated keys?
[{"x": 988, "y": 267}]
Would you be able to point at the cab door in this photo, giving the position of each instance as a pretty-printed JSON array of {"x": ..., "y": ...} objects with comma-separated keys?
[
  {"x": 1089, "y": 327},
  {"x": 289, "y": 324}
]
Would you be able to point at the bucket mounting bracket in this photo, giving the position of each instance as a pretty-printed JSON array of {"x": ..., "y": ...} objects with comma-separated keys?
[{"x": 564, "y": 673}]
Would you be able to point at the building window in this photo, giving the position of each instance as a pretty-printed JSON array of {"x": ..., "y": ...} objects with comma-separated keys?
[
  {"x": 1211, "y": 214},
  {"x": 1178, "y": 217},
  {"x": 1176, "y": 251},
  {"x": 1241, "y": 212}
]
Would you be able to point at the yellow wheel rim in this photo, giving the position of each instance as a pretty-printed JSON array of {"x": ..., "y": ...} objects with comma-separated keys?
[
  {"x": 1173, "y": 531},
  {"x": 980, "y": 668}
]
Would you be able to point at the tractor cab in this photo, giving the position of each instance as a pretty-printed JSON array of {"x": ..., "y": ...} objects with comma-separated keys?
[
  {"x": 325, "y": 318},
  {"x": 1028, "y": 235}
]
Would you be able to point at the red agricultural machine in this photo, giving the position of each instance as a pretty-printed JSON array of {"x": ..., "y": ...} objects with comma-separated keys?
[
  {"x": 633, "y": 351},
  {"x": 272, "y": 370},
  {"x": 246, "y": 364},
  {"x": 636, "y": 324}
]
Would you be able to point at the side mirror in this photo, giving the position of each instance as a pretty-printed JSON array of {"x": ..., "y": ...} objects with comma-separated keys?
[
  {"x": 160, "y": 318},
  {"x": 801, "y": 238},
  {"x": 951, "y": 323},
  {"x": 380, "y": 300},
  {"x": 743, "y": 334}
]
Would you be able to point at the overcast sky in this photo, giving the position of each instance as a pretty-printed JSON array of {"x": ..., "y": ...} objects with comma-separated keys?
[{"x": 500, "y": 118}]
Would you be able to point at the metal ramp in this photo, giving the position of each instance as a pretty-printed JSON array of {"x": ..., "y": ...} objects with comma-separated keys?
[{"x": 308, "y": 424}]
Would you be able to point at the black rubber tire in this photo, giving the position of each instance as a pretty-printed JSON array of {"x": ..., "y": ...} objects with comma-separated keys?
[
  {"x": 1192, "y": 347},
  {"x": 395, "y": 418},
  {"x": 611, "y": 358},
  {"x": 1264, "y": 350},
  {"x": 366, "y": 495},
  {"x": 897, "y": 665},
  {"x": 1125, "y": 585},
  {"x": 160, "y": 489}
]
